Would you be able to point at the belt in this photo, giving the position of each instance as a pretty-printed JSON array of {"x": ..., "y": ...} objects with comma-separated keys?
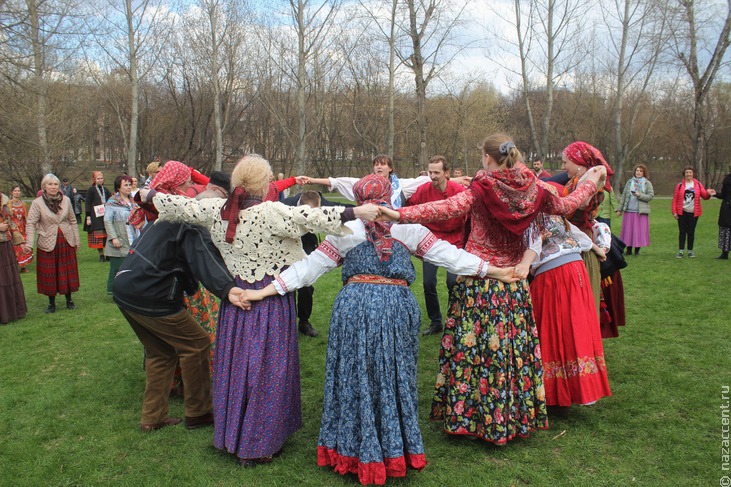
[{"x": 373, "y": 279}]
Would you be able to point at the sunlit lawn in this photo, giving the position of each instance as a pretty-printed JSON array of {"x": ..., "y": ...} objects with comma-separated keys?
[{"x": 71, "y": 387}]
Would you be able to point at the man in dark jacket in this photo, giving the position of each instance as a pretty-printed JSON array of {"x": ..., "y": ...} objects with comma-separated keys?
[
  {"x": 166, "y": 260},
  {"x": 310, "y": 241}
]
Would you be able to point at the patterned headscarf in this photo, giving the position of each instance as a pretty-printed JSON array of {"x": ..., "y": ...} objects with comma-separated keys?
[
  {"x": 377, "y": 190},
  {"x": 583, "y": 154},
  {"x": 168, "y": 181},
  {"x": 237, "y": 200}
]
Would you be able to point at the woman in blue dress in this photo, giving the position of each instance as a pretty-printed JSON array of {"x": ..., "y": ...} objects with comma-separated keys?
[{"x": 370, "y": 421}]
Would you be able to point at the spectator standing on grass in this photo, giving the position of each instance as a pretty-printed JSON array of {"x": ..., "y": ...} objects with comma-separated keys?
[
  {"x": 96, "y": 197},
  {"x": 77, "y": 201},
  {"x": 370, "y": 423},
  {"x": 257, "y": 383},
  {"x": 12, "y": 296},
  {"x": 635, "y": 210},
  {"x": 52, "y": 217},
  {"x": 120, "y": 234},
  {"x": 490, "y": 383},
  {"x": 538, "y": 169},
  {"x": 452, "y": 231},
  {"x": 168, "y": 260},
  {"x": 66, "y": 188},
  {"x": 687, "y": 208},
  {"x": 724, "y": 218},
  {"x": 19, "y": 216}
]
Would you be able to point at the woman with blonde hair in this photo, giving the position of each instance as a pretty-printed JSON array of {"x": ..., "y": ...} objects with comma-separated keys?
[
  {"x": 256, "y": 396},
  {"x": 96, "y": 197},
  {"x": 490, "y": 381},
  {"x": 52, "y": 216}
]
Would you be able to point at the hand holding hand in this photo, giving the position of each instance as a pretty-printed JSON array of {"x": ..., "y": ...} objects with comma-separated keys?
[
  {"x": 520, "y": 271},
  {"x": 302, "y": 180},
  {"x": 367, "y": 212},
  {"x": 504, "y": 274},
  {"x": 27, "y": 247},
  {"x": 712, "y": 192},
  {"x": 388, "y": 215},
  {"x": 597, "y": 174},
  {"x": 601, "y": 253},
  {"x": 236, "y": 296}
]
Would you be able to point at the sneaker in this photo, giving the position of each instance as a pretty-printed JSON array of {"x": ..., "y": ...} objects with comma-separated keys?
[
  {"x": 691, "y": 254},
  {"x": 679, "y": 255},
  {"x": 306, "y": 328}
]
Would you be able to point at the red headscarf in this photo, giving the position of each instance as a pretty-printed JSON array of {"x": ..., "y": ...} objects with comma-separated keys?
[
  {"x": 168, "y": 181},
  {"x": 377, "y": 190},
  {"x": 511, "y": 195},
  {"x": 238, "y": 200},
  {"x": 583, "y": 154}
]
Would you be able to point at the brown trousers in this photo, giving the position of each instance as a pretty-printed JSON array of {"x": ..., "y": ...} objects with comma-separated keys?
[{"x": 168, "y": 339}]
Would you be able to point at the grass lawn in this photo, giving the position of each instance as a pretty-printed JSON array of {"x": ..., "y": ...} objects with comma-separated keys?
[{"x": 71, "y": 388}]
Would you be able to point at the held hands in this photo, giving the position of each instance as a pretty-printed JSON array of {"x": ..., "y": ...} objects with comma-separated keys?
[
  {"x": 302, "y": 180},
  {"x": 712, "y": 192},
  {"x": 601, "y": 253},
  {"x": 236, "y": 297},
  {"x": 520, "y": 271},
  {"x": 504, "y": 274},
  {"x": 597, "y": 174},
  {"x": 369, "y": 212},
  {"x": 388, "y": 215}
]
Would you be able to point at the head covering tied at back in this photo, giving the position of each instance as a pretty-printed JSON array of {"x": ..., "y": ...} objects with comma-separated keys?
[
  {"x": 583, "y": 154},
  {"x": 377, "y": 190},
  {"x": 168, "y": 181}
]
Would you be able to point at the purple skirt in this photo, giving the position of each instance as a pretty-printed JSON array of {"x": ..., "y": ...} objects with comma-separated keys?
[
  {"x": 635, "y": 230},
  {"x": 256, "y": 381}
]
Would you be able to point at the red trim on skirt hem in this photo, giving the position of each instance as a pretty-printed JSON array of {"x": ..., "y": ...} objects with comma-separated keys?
[{"x": 372, "y": 472}]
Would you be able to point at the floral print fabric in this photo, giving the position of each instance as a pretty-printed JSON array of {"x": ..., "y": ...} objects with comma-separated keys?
[{"x": 490, "y": 382}]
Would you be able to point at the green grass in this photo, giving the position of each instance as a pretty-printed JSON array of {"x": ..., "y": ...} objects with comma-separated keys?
[{"x": 71, "y": 388}]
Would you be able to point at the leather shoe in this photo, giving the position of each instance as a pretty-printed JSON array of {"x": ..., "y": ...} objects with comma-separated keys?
[
  {"x": 433, "y": 329},
  {"x": 306, "y": 329},
  {"x": 51, "y": 309},
  {"x": 70, "y": 305},
  {"x": 147, "y": 427},
  {"x": 194, "y": 422}
]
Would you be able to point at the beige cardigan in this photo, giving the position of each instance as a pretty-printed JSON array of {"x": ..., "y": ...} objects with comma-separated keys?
[{"x": 47, "y": 223}]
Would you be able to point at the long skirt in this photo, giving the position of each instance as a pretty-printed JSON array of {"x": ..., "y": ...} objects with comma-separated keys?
[
  {"x": 635, "y": 230},
  {"x": 57, "y": 271},
  {"x": 724, "y": 239},
  {"x": 490, "y": 382},
  {"x": 573, "y": 356},
  {"x": 96, "y": 239},
  {"x": 370, "y": 421},
  {"x": 613, "y": 296},
  {"x": 256, "y": 382},
  {"x": 12, "y": 297},
  {"x": 594, "y": 270}
]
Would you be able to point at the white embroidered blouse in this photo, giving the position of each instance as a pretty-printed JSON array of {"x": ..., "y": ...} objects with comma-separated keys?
[
  {"x": 268, "y": 234},
  {"x": 417, "y": 238}
]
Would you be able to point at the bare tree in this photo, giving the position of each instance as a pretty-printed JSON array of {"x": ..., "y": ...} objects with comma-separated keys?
[
  {"x": 430, "y": 26},
  {"x": 130, "y": 35},
  {"x": 693, "y": 45}
]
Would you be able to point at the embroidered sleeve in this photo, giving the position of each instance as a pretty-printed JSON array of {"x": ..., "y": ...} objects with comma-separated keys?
[
  {"x": 452, "y": 207},
  {"x": 556, "y": 205}
]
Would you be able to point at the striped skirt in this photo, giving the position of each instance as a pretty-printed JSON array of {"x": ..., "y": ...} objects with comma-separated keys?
[{"x": 56, "y": 271}]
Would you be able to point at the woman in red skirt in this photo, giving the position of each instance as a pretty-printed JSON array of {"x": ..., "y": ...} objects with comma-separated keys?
[
  {"x": 574, "y": 371},
  {"x": 52, "y": 216},
  {"x": 96, "y": 197}
]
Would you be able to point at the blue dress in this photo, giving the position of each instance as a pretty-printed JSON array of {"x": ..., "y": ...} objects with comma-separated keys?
[{"x": 370, "y": 421}]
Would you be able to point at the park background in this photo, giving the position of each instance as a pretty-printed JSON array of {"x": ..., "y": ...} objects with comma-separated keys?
[{"x": 72, "y": 384}]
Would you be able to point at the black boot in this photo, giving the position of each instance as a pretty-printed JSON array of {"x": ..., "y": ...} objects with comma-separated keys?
[
  {"x": 723, "y": 256},
  {"x": 51, "y": 304},
  {"x": 637, "y": 251},
  {"x": 434, "y": 328},
  {"x": 69, "y": 303},
  {"x": 629, "y": 251}
]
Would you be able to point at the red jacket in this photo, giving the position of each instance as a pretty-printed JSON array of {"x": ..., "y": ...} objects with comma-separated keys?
[
  {"x": 451, "y": 230},
  {"x": 700, "y": 192}
]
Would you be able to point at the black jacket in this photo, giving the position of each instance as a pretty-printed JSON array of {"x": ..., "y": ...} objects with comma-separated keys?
[{"x": 167, "y": 259}]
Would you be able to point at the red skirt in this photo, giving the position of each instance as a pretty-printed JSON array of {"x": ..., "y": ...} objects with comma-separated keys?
[
  {"x": 613, "y": 294},
  {"x": 56, "y": 271},
  {"x": 97, "y": 239},
  {"x": 574, "y": 371}
]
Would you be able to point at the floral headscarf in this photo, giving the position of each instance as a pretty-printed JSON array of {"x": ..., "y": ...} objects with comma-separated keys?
[
  {"x": 168, "y": 181},
  {"x": 583, "y": 154},
  {"x": 377, "y": 190}
]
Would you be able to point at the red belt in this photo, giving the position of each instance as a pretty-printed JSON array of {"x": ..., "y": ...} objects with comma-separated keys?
[{"x": 373, "y": 279}]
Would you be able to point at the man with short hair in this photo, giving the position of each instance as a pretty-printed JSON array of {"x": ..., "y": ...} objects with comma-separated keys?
[
  {"x": 538, "y": 169},
  {"x": 67, "y": 189},
  {"x": 451, "y": 230}
]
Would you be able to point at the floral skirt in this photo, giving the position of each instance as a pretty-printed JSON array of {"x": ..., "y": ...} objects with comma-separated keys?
[
  {"x": 490, "y": 382},
  {"x": 370, "y": 420},
  {"x": 573, "y": 356}
]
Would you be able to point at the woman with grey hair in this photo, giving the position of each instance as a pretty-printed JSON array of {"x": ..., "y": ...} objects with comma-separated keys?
[{"x": 51, "y": 215}]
